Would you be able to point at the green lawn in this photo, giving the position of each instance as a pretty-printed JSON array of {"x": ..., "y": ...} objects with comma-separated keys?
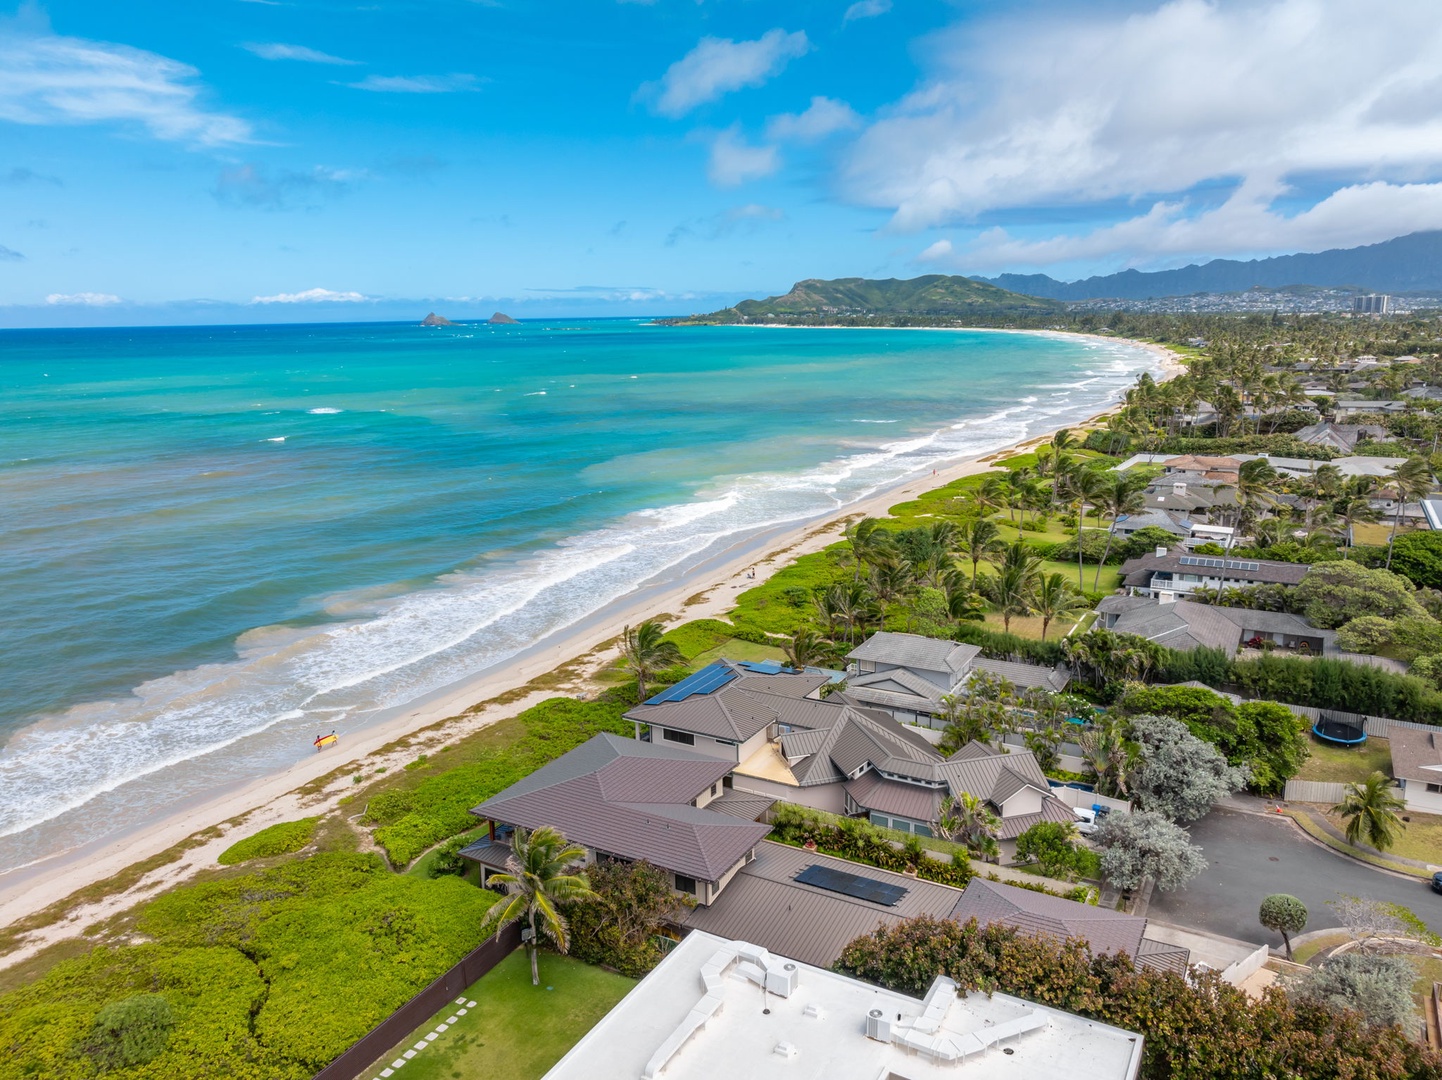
[
  {"x": 1345, "y": 764},
  {"x": 516, "y": 1030},
  {"x": 736, "y": 649}
]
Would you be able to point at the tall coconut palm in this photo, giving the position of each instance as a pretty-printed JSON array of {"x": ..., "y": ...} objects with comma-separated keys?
[
  {"x": 644, "y": 652},
  {"x": 1089, "y": 486},
  {"x": 538, "y": 879},
  {"x": 1412, "y": 480},
  {"x": 1369, "y": 810},
  {"x": 1013, "y": 586},
  {"x": 1054, "y": 598},
  {"x": 868, "y": 543},
  {"x": 804, "y": 649},
  {"x": 1121, "y": 494},
  {"x": 991, "y": 494},
  {"x": 979, "y": 540},
  {"x": 1109, "y": 755},
  {"x": 962, "y": 600}
]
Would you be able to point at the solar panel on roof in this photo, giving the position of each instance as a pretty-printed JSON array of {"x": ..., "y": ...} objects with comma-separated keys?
[
  {"x": 706, "y": 681},
  {"x": 853, "y": 885},
  {"x": 761, "y": 667}
]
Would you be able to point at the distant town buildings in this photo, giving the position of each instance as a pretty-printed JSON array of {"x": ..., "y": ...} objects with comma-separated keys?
[{"x": 1372, "y": 304}]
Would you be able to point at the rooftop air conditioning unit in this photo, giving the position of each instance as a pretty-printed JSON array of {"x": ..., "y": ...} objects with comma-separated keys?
[
  {"x": 878, "y": 1027},
  {"x": 783, "y": 981}
]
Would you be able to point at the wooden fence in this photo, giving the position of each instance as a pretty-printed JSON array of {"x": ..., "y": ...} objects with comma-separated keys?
[
  {"x": 389, "y": 1032},
  {"x": 1317, "y": 791}
]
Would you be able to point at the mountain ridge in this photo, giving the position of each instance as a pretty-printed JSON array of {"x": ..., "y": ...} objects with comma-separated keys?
[{"x": 1410, "y": 263}]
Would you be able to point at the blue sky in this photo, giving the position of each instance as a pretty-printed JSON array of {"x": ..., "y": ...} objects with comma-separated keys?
[{"x": 284, "y": 159}]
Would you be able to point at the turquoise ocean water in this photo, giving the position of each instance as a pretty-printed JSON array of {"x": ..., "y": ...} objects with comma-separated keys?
[{"x": 217, "y": 542}]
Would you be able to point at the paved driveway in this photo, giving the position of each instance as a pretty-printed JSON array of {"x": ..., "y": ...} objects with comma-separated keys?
[{"x": 1251, "y": 856}]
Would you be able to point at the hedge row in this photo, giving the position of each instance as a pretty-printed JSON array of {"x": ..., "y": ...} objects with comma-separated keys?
[{"x": 282, "y": 838}]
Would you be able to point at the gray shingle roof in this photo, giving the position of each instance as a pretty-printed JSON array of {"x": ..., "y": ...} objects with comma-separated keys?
[
  {"x": 915, "y": 651},
  {"x": 741, "y": 804},
  {"x": 1271, "y": 572},
  {"x": 1186, "y": 624},
  {"x": 744, "y": 706},
  {"x": 1412, "y": 750},
  {"x": 874, "y": 792},
  {"x": 1026, "y": 676},
  {"x": 1037, "y": 913},
  {"x": 632, "y": 799}
]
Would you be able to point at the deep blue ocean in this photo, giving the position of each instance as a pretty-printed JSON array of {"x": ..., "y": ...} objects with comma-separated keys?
[{"x": 215, "y": 542}]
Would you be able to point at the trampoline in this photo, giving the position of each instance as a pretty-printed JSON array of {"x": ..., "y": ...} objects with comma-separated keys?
[{"x": 1339, "y": 732}]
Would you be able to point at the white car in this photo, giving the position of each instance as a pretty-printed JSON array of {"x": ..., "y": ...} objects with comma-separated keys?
[{"x": 1086, "y": 820}]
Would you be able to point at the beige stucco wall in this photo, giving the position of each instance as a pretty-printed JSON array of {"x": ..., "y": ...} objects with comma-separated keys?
[{"x": 830, "y": 798}]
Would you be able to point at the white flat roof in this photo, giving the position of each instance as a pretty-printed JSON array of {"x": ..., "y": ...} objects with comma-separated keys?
[{"x": 700, "y": 1016}]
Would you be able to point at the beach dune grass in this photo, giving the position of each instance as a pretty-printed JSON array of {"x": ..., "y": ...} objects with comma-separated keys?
[
  {"x": 517, "y": 1031},
  {"x": 282, "y": 838}
]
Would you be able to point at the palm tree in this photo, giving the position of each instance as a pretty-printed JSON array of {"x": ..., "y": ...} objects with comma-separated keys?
[
  {"x": 1370, "y": 811},
  {"x": 1412, "y": 479},
  {"x": 1255, "y": 480},
  {"x": 644, "y": 652},
  {"x": 1012, "y": 587},
  {"x": 847, "y": 605},
  {"x": 868, "y": 542},
  {"x": 1109, "y": 755},
  {"x": 1120, "y": 495},
  {"x": 1089, "y": 486},
  {"x": 966, "y": 819},
  {"x": 1054, "y": 598},
  {"x": 991, "y": 494},
  {"x": 804, "y": 649},
  {"x": 978, "y": 539},
  {"x": 962, "y": 600},
  {"x": 538, "y": 880}
]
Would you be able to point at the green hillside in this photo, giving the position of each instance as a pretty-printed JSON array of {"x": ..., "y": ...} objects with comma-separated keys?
[{"x": 848, "y": 299}]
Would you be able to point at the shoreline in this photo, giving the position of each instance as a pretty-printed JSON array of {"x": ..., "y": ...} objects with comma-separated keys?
[{"x": 457, "y": 711}]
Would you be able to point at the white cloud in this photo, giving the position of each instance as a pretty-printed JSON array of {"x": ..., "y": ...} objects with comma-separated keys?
[
  {"x": 275, "y": 50},
  {"x": 49, "y": 79},
  {"x": 415, "y": 84},
  {"x": 937, "y": 252},
  {"x": 84, "y": 299},
  {"x": 717, "y": 66},
  {"x": 824, "y": 116},
  {"x": 312, "y": 296},
  {"x": 1146, "y": 107},
  {"x": 866, "y": 9},
  {"x": 735, "y": 161}
]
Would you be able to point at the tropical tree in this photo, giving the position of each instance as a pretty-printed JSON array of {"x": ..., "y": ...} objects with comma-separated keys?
[
  {"x": 847, "y": 605},
  {"x": 1054, "y": 598},
  {"x": 1178, "y": 774},
  {"x": 645, "y": 652},
  {"x": 1110, "y": 755},
  {"x": 868, "y": 542},
  {"x": 1013, "y": 586},
  {"x": 1285, "y": 914},
  {"x": 538, "y": 879},
  {"x": 966, "y": 819},
  {"x": 1144, "y": 844},
  {"x": 1090, "y": 486},
  {"x": 805, "y": 648},
  {"x": 1412, "y": 480},
  {"x": 1369, "y": 810},
  {"x": 979, "y": 540},
  {"x": 1120, "y": 494},
  {"x": 1377, "y": 986}
]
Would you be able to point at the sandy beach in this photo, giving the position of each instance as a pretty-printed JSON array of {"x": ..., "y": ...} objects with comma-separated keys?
[{"x": 444, "y": 717}]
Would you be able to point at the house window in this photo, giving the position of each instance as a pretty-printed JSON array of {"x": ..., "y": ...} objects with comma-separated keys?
[
  {"x": 685, "y": 884},
  {"x": 678, "y": 736},
  {"x": 716, "y": 788},
  {"x": 1435, "y": 789}
]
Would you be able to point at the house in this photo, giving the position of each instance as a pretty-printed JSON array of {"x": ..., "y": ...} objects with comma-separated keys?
[
  {"x": 1343, "y": 408},
  {"x": 1343, "y": 437},
  {"x": 1179, "y": 526},
  {"x": 1224, "y": 470},
  {"x": 1171, "y": 576},
  {"x": 1175, "y": 494},
  {"x": 1417, "y": 765},
  {"x": 1104, "y": 930},
  {"x": 1353, "y": 465},
  {"x": 629, "y": 800},
  {"x": 1185, "y": 624},
  {"x": 906, "y": 675},
  {"x": 717, "y": 1008}
]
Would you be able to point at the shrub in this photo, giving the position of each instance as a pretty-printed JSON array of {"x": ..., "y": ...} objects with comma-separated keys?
[
  {"x": 1053, "y": 846},
  {"x": 283, "y": 838},
  {"x": 634, "y": 901},
  {"x": 1417, "y": 556},
  {"x": 1194, "y": 1027},
  {"x": 862, "y": 842},
  {"x": 129, "y": 1032}
]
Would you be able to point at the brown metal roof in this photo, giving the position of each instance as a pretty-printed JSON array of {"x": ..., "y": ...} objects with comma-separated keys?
[
  {"x": 742, "y": 804},
  {"x": 1030, "y": 912},
  {"x": 765, "y": 906},
  {"x": 632, "y": 799},
  {"x": 874, "y": 792},
  {"x": 749, "y": 703},
  {"x": 1163, "y": 956},
  {"x": 1282, "y": 573}
]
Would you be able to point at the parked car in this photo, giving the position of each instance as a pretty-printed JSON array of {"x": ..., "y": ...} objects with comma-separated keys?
[
  {"x": 1437, "y": 882},
  {"x": 1086, "y": 823}
]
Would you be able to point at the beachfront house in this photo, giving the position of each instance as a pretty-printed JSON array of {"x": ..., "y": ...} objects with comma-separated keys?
[
  {"x": 1169, "y": 575},
  {"x": 630, "y": 800}
]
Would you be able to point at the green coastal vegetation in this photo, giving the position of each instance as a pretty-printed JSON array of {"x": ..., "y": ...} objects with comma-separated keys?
[{"x": 307, "y": 933}]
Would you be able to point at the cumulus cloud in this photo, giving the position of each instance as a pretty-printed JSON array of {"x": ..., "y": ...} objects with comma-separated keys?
[
  {"x": 866, "y": 9},
  {"x": 83, "y": 299},
  {"x": 1084, "y": 112},
  {"x": 735, "y": 161},
  {"x": 49, "y": 79},
  {"x": 937, "y": 252},
  {"x": 717, "y": 66},
  {"x": 312, "y": 296},
  {"x": 252, "y": 185},
  {"x": 824, "y": 116},
  {"x": 275, "y": 50},
  {"x": 415, "y": 84}
]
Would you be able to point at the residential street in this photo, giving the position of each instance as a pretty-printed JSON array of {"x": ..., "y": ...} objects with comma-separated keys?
[{"x": 1251, "y": 856}]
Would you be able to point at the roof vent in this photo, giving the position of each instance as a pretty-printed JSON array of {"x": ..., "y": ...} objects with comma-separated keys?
[
  {"x": 785, "y": 1049},
  {"x": 1161, "y": 552},
  {"x": 815, "y": 1011}
]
